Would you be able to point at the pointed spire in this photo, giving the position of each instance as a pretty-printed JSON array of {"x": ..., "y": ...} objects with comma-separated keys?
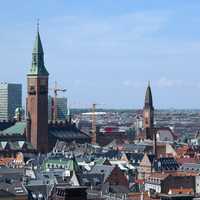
[
  {"x": 148, "y": 97},
  {"x": 38, "y": 44},
  {"x": 38, "y": 67}
]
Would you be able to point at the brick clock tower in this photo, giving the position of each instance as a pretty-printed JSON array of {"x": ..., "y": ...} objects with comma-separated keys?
[
  {"x": 37, "y": 99},
  {"x": 148, "y": 114}
]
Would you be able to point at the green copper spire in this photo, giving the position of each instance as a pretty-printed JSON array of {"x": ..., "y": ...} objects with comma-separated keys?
[{"x": 38, "y": 67}]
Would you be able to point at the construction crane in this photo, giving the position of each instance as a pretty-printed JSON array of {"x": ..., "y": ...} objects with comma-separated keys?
[
  {"x": 94, "y": 128},
  {"x": 56, "y": 89}
]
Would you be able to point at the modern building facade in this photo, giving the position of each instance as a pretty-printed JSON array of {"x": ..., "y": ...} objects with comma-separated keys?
[
  {"x": 10, "y": 99},
  {"x": 61, "y": 108}
]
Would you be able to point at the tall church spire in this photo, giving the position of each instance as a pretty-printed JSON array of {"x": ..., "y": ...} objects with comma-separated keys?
[
  {"x": 37, "y": 99},
  {"x": 148, "y": 97},
  {"x": 38, "y": 67},
  {"x": 148, "y": 114}
]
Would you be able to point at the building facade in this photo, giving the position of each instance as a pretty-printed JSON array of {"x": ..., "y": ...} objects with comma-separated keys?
[
  {"x": 166, "y": 182},
  {"x": 10, "y": 99},
  {"x": 61, "y": 108}
]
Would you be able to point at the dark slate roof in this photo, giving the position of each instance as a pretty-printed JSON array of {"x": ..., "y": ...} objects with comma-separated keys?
[
  {"x": 36, "y": 190},
  {"x": 62, "y": 131},
  {"x": 118, "y": 189},
  {"x": 136, "y": 147},
  {"x": 16, "y": 188},
  {"x": 166, "y": 164},
  {"x": 67, "y": 132},
  {"x": 135, "y": 158},
  {"x": 106, "y": 170},
  {"x": 190, "y": 167},
  {"x": 6, "y": 194},
  {"x": 9, "y": 178},
  {"x": 91, "y": 179},
  {"x": 6, "y": 171},
  {"x": 111, "y": 154}
]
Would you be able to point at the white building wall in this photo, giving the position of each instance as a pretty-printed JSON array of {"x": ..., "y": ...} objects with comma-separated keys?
[
  {"x": 155, "y": 187},
  {"x": 197, "y": 184}
]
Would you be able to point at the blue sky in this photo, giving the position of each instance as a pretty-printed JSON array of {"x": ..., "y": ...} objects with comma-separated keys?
[{"x": 105, "y": 51}]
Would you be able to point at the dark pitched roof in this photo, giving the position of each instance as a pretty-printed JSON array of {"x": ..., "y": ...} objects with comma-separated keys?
[
  {"x": 39, "y": 190},
  {"x": 166, "y": 164},
  {"x": 91, "y": 179},
  {"x": 16, "y": 188},
  {"x": 109, "y": 154},
  {"x": 135, "y": 158},
  {"x": 6, "y": 171},
  {"x": 67, "y": 132},
  {"x": 118, "y": 189},
  {"x": 106, "y": 170},
  {"x": 137, "y": 147}
]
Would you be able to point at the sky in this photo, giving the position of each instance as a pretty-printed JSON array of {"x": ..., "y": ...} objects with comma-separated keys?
[{"x": 106, "y": 51}]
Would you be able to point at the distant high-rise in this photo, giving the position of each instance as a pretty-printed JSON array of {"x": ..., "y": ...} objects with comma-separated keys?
[
  {"x": 61, "y": 108},
  {"x": 10, "y": 99},
  {"x": 148, "y": 114}
]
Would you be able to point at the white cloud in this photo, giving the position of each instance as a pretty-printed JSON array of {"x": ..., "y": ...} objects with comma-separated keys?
[
  {"x": 163, "y": 82},
  {"x": 133, "y": 84}
]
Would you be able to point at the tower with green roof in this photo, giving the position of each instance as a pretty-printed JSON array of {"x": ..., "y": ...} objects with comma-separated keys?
[{"x": 37, "y": 99}]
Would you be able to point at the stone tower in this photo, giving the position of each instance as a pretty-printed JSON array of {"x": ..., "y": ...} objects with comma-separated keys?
[
  {"x": 148, "y": 114},
  {"x": 37, "y": 99}
]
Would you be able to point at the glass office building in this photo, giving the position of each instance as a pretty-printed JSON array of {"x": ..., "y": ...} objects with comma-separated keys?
[
  {"x": 10, "y": 99},
  {"x": 62, "y": 109}
]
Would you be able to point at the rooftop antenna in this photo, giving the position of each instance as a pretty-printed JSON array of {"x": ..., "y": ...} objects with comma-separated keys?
[
  {"x": 38, "y": 24},
  {"x": 149, "y": 83}
]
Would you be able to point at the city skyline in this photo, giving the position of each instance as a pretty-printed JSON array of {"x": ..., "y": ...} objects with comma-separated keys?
[{"x": 83, "y": 48}]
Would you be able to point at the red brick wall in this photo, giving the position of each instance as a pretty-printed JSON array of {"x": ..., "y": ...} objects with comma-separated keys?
[{"x": 37, "y": 106}]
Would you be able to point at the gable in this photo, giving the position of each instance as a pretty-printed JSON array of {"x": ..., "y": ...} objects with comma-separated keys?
[{"x": 145, "y": 161}]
